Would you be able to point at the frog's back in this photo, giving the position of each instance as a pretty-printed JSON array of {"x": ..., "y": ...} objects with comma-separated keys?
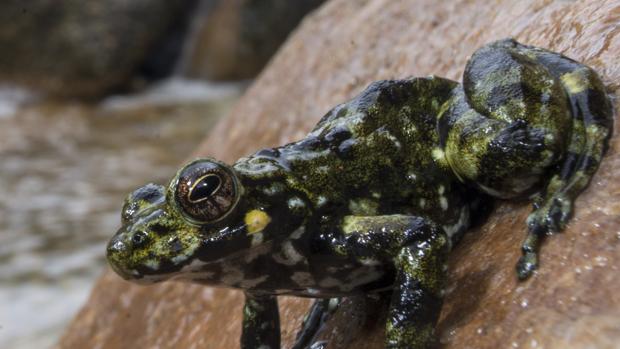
[{"x": 380, "y": 153}]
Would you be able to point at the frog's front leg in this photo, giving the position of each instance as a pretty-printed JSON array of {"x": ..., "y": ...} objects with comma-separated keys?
[
  {"x": 314, "y": 320},
  {"x": 261, "y": 322},
  {"x": 417, "y": 249}
]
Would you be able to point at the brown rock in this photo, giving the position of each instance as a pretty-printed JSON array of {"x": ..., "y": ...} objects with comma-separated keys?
[{"x": 571, "y": 302}]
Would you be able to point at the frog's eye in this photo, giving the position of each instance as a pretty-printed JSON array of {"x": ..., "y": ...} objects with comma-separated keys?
[{"x": 205, "y": 191}]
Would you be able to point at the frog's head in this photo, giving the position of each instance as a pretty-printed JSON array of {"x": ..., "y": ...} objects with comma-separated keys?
[{"x": 198, "y": 219}]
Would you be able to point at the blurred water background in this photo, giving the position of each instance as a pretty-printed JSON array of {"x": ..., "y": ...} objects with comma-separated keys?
[{"x": 103, "y": 104}]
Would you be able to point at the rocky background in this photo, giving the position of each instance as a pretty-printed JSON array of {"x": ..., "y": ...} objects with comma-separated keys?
[
  {"x": 75, "y": 48},
  {"x": 571, "y": 302}
]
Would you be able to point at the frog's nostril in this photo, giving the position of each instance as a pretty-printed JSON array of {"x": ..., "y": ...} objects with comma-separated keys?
[{"x": 115, "y": 246}]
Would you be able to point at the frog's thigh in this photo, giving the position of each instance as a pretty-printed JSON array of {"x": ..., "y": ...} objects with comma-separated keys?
[
  {"x": 261, "y": 323},
  {"x": 418, "y": 248}
]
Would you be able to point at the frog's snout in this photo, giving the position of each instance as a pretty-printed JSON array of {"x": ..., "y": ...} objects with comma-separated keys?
[{"x": 117, "y": 252}]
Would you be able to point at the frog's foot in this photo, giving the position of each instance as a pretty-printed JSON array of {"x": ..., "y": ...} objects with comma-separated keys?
[
  {"x": 315, "y": 319},
  {"x": 592, "y": 116}
]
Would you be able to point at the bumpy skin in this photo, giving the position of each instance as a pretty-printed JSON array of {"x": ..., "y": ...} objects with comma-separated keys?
[{"x": 374, "y": 197}]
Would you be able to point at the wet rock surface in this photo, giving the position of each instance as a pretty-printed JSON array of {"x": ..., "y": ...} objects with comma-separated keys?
[
  {"x": 81, "y": 48},
  {"x": 572, "y": 301}
]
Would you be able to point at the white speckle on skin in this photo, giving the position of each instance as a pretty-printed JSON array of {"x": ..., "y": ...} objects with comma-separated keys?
[
  {"x": 422, "y": 203},
  {"x": 274, "y": 189},
  {"x": 313, "y": 291},
  {"x": 179, "y": 258},
  {"x": 490, "y": 191},
  {"x": 295, "y": 203},
  {"x": 152, "y": 263},
  {"x": 259, "y": 250},
  {"x": 196, "y": 264},
  {"x": 369, "y": 261},
  {"x": 253, "y": 282},
  {"x": 289, "y": 255},
  {"x": 361, "y": 276},
  {"x": 330, "y": 282},
  {"x": 303, "y": 279},
  {"x": 322, "y": 169},
  {"x": 299, "y": 232},
  {"x": 321, "y": 200},
  {"x": 441, "y": 189},
  {"x": 257, "y": 239},
  {"x": 393, "y": 139},
  {"x": 462, "y": 223},
  {"x": 333, "y": 270},
  {"x": 232, "y": 276},
  {"x": 443, "y": 202}
]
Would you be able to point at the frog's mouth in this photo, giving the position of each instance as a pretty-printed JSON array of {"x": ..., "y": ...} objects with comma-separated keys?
[{"x": 129, "y": 265}]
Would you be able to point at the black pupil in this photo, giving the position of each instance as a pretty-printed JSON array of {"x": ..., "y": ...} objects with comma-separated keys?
[{"x": 203, "y": 189}]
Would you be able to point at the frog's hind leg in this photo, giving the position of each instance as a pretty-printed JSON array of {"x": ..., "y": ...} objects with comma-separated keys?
[
  {"x": 524, "y": 115},
  {"x": 592, "y": 124}
]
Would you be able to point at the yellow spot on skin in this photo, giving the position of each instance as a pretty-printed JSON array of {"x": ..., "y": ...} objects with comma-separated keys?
[
  {"x": 574, "y": 82},
  {"x": 349, "y": 224},
  {"x": 256, "y": 220}
]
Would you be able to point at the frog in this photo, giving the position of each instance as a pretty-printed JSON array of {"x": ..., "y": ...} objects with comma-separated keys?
[{"x": 374, "y": 198}]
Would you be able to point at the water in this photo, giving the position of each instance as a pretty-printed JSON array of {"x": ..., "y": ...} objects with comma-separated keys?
[{"x": 64, "y": 171}]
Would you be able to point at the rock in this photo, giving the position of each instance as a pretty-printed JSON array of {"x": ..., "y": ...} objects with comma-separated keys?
[
  {"x": 572, "y": 301},
  {"x": 234, "y": 39},
  {"x": 80, "y": 48}
]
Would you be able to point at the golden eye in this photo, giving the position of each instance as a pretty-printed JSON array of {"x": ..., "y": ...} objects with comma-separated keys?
[{"x": 205, "y": 191}]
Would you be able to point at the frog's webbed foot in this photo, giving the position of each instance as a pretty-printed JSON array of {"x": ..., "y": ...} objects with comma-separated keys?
[{"x": 315, "y": 319}]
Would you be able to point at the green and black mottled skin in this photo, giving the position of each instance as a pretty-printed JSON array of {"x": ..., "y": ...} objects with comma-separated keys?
[{"x": 374, "y": 197}]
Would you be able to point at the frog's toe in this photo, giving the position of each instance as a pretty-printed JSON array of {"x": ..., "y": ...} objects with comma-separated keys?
[
  {"x": 537, "y": 224},
  {"x": 318, "y": 345},
  {"x": 559, "y": 213},
  {"x": 552, "y": 217},
  {"x": 526, "y": 265}
]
